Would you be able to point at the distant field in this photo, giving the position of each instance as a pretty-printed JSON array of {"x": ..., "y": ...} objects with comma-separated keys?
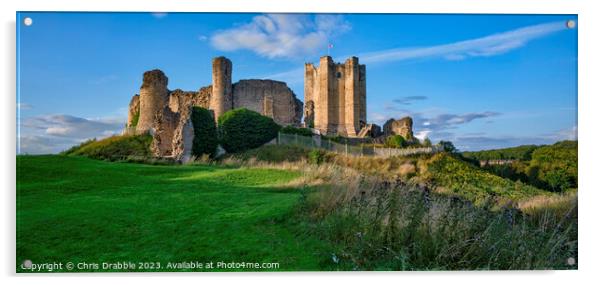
[{"x": 73, "y": 209}]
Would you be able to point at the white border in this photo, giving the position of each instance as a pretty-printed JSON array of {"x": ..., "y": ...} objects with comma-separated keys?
[{"x": 589, "y": 79}]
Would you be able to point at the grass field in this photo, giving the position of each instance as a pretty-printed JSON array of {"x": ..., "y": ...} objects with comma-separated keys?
[{"x": 74, "y": 209}]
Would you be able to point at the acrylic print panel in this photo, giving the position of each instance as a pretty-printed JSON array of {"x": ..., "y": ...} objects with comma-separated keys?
[{"x": 295, "y": 142}]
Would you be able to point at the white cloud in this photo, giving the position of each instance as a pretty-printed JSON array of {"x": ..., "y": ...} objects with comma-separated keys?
[
  {"x": 54, "y": 133},
  {"x": 281, "y": 35}
]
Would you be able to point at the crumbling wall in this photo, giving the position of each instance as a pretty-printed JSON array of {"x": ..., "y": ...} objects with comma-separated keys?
[
  {"x": 179, "y": 98},
  {"x": 164, "y": 125},
  {"x": 402, "y": 127},
  {"x": 133, "y": 112},
  {"x": 269, "y": 98},
  {"x": 183, "y": 135}
]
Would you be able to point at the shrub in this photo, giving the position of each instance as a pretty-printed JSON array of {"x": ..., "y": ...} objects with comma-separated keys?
[
  {"x": 395, "y": 141},
  {"x": 205, "y": 133},
  {"x": 316, "y": 156},
  {"x": 114, "y": 148},
  {"x": 427, "y": 142},
  {"x": 296, "y": 131},
  {"x": 243, "y": 129}
]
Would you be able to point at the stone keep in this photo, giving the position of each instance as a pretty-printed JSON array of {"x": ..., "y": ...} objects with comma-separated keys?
[{"x": 335, "y": 96}]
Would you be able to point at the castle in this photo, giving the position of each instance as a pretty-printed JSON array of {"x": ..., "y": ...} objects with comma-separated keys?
[
  {"x": 166, "y": 114},
  {"x": 335, "y": 104},
  {"x": 335, "y": 96}
]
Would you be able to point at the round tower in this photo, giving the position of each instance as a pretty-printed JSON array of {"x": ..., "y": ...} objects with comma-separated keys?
[
  {"x": 221, "y": 93},
  {"x": 153, "y": 97}
]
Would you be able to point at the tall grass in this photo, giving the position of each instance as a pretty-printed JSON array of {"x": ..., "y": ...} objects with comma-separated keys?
[{"x": 376, "y": 224}]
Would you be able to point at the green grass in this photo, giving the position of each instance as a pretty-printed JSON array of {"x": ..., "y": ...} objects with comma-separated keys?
[
  {"x": 114, "y": 148},
  {"x": 75, "y": 209}
]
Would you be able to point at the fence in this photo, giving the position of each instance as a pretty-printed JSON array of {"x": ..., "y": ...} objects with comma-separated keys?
[{"x": 317, "y": 141}]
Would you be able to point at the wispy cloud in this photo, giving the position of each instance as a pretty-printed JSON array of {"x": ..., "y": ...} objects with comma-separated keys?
[
  {"x": 490, "y": 45},
  {"x": 440, "y": 126},
  {"x": 408, "y": 100},
  {"x": 480, "y": 142},
  {"x": 281, "y": 35}
]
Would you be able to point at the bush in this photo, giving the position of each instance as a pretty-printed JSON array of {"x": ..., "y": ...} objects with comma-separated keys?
[
  {"x": 316, "y": 156},
  {"x": 427, "y": 142},
  {"x": 296, "y": 131},
  {"x": 205, "y": 133},
  {"x": 243, "y": 129},
  {"x": 114, "y": 148},
  {"x": 395, "y": 141}
]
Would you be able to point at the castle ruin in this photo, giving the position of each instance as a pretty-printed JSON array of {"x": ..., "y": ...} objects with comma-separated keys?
[
  {"x": 166, "y": 114},
  {"x": 402, "y": 127},
  {"x": 335, "y": 104},
  {"x": 335, "y": 97}
]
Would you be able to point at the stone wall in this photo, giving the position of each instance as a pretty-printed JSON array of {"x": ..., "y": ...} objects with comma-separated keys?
[
  {"x": 269, "y": 98},
  {"x": 402, "y": 127},
  {"x": 133, "y": 111},
  {"x": 167, "y": 113},
  {"x": 153, "y": 98},
  {"x": 221, "y": 94},
  {"x": 164, "y": 125},
  {"x": 179, "y": 98}
]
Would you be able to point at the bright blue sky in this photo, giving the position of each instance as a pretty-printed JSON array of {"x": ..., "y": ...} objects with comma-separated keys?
[{"x": 481, "y": 81}]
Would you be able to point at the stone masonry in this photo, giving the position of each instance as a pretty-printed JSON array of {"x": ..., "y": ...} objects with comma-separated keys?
[
  {"x": 153, "y": 98},
  {"x": 335, "y": 96},
  {"x": 166, "y": 114},
  {"x": 402, "y": 127}
]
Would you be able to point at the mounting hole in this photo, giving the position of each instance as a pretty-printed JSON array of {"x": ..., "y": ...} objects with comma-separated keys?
[
  {"x": 27, "y": 264},
  {"x": 570, "y": 24},
  {"x": 27, "y": 21}
]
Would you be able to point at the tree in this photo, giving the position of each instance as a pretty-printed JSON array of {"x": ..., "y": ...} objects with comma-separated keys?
[
  {"x": 205, "y": 132},
  {"x": 427, "y": 142},
  {"x": 448, "y": 146}
]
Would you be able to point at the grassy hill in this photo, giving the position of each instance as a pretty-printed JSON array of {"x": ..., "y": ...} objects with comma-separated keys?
[
  {"x": 82, "y": 210},
  {"x": 423, "y": 212}
]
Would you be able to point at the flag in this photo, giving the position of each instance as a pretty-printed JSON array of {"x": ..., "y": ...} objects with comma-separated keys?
[{"x": 330, "y": 45}]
